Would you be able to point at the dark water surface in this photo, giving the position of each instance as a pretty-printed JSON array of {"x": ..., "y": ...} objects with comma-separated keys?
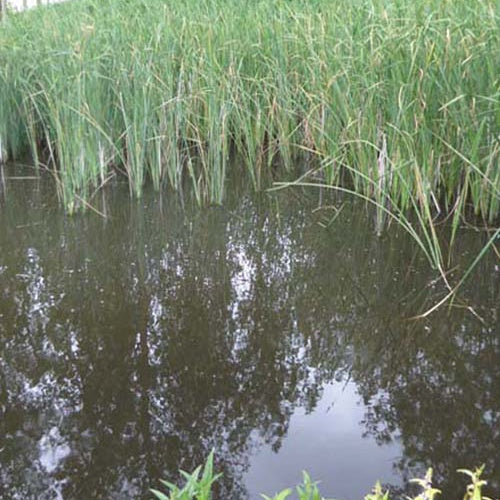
[{"x": 132, "y": 346}]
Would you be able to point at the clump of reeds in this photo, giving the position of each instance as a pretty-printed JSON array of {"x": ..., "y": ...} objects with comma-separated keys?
[
  {"x": 398, "y": 101},
  {"x": 395, "y": 102}
]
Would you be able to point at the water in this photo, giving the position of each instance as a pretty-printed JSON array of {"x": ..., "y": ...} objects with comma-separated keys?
[{"x": 133, "y": 345}]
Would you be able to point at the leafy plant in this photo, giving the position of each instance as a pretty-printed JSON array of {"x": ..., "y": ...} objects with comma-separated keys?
[
  {"x": 198, "y": 484},
  {"x": 474, "y": 488},
  {"x": 428, "y": 492},
  {"x": 377, "y": 493},
  {"x": 308, "y": 490}
]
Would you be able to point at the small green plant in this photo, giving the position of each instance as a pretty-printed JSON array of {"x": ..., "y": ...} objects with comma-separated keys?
[
  {"x": 282, "y": 495},
  {"x": 428, "y": 492},
  {"x": 377, "y": 493},
  {"x": 474, "y": 488},
  {"x": 308, "y": 490},
  {"x": 196, "y": 488},
  {"x": 199, "y": 487}
]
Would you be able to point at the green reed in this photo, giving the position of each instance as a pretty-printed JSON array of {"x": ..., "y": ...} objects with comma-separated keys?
[
  {"x": 198, "y": 486},
  {"x": 398, "y": 101},
  {"x": 395, "y": 102}
]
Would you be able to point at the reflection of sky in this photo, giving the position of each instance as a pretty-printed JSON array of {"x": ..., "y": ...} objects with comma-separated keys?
[
  {"x": 53, "y": 450},
  {"x": 329, "y": 444}
]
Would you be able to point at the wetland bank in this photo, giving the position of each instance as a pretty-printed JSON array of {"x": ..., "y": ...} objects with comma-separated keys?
[{"x": 157, "y": 301}]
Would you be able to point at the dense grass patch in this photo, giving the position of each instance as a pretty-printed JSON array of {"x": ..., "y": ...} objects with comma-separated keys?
[{"x": 397, "y": 100}]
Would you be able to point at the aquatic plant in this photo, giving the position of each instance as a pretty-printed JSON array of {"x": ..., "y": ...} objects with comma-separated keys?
[
  {"x": 308, "y": 490},
  {"x": 398, "y": 102},
  {"x": 428, "y": 492},
  {"x": 197, "y": 487},
  {"x": 378, "y": 493},
  {"x": 200, "y": 488},
  {"x": 473, "y": 491}
]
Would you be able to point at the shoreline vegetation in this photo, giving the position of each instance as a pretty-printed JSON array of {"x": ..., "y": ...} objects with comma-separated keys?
[
  {"x": 199, "y": 485},
  {"x": 394, "y": 102}
]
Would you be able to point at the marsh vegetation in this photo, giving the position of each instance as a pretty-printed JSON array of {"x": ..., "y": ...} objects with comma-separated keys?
[
  {"x": 398, "y": 101},
  {"x": 394, "y": 102},
  {"x": 205, "y": 314}
]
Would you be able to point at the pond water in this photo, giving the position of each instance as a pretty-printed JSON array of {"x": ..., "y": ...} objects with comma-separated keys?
[{"x": 133, "y": 345}]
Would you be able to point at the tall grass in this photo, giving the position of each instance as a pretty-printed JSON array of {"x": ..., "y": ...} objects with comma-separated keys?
[{"x": 396, "y": 100}]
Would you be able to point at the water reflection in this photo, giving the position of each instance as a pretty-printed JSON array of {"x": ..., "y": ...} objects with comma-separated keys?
[{"x": 132, "y": 346}]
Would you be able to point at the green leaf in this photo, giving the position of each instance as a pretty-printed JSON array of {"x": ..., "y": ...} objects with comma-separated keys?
[
  {"x": 282, "y": 495},
  {"x": 159, "y": 495}
]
